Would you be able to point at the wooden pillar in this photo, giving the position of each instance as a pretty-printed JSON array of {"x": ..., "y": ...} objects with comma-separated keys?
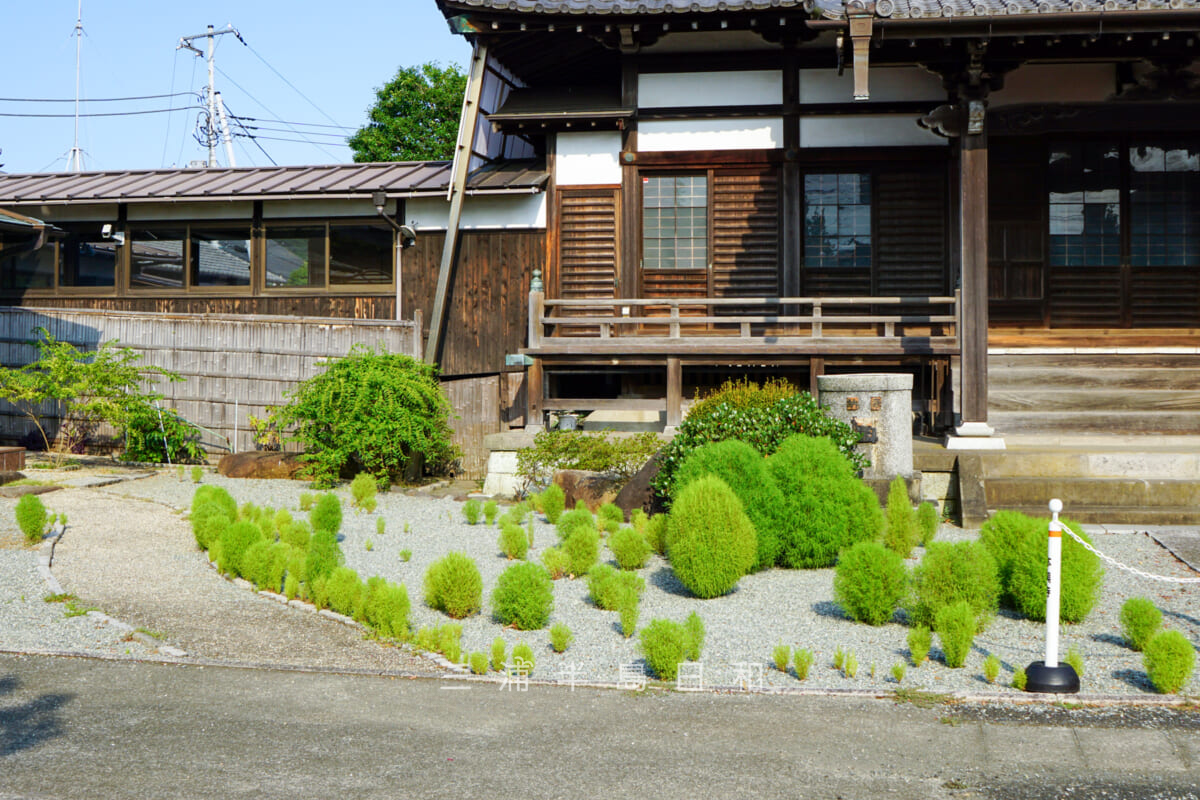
[
  {"x": 790, "y": 206},
  {"x": 674, "y": 392},
  {"x": 629, "y": 225},
  {"x": 973, "y": 336},
  {"x": 534, "y": 392}
]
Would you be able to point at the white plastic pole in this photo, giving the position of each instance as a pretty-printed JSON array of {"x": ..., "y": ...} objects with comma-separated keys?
[{"x": 1053, "y": 583}]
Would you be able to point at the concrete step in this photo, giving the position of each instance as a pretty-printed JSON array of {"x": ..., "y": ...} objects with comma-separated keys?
[
  {"x": 1111, "y": 492},
  {"x": 1070, "y": 463},
  {"x": 1056, "y": 399},
  {"x": 1095, "y": 378},
  {"x": 1116, "y": 515},
  {"x": 1095, "y": 422}
]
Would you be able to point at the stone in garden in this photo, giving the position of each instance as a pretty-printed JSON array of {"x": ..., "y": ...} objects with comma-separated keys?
[
  {"x": 593, "y": 488},
  {"x": 260, "y": 464},
  {"x": 638, "y": 493}
]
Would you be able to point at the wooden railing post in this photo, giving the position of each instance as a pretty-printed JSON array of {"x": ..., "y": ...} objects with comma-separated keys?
[
  {"x": 674, "y": 392},
  {"x": 537, "y": 309}
]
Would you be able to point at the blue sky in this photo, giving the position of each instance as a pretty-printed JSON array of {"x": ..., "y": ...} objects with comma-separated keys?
[{"x": 335, "y": 53}]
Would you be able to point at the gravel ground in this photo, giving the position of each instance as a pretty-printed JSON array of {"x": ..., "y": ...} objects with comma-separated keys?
[{"x": 777, "y": 606}]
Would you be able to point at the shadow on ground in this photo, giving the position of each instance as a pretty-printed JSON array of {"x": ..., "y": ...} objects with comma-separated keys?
[{"x": 24, "y": 726}]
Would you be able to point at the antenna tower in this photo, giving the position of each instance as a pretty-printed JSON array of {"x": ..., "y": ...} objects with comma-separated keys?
[{"x": 75, "y": 160}]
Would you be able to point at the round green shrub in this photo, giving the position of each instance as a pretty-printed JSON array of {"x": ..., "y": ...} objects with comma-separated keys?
[
  {"x": 523, "y": 597},
  {"x": 629, "y": 548},
  {"x": 296, "y": 533},
  {"x": 608, "y": 514},
  {"x": 208, "y": 520},
  {"x": 453, "y": 585},
  {"x": 218, "y": 495},
  {"x": 345, "y": 593},
  {"x": 1169, "y": 659},
  {"x": 656, "y": 533},
  {"x": 870, "y": 582},
  {"x": 554, "y": 500},
  {"x": 1140, "y": 620},
  {"x": 665, "y": 643},
  {"x": 326, "y": 514},
  {"x": 582, "y": 549},
  {"x": 928, "y": 522},
  {"x": 513, "y": 541},
  {"x": 1082, "y": 577},
  {"x": 900, "y": 532},
  {"x": 710, "y": 541},
  {"x": 523, "y": 652},
  {"x": 745, "y": 471},
  {"x": 498, "y": 657},
  {"x": 387, "y": 607},
  {"x": 277, "y": 565},
  {"x": 1004, "y": 535},
  {"x": 576, "y": 519},
  {"x": 560, "y": 637},
  {"x": 364, "y": 489},
  {"x": 955, "y": 625},
  {"x": 825, "y": 507},
  {"x": 323, "y": 557},
  {"x": 949, "y": 573},
  {"x": 610, "y": 588},
  {"x": 235, "y": 541},
  {"x": 256, "y": 564},
  {"x": 472, "y": 509},
  {"x": 31, "y": 517},
  {"x": 557, "y": 562},
  {"x": 478, "y": 662}
]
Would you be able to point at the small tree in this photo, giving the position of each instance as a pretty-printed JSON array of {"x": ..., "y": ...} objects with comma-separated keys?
[
  {"x": 415, "y": 116},
  {"x": 84, "y": 388}
]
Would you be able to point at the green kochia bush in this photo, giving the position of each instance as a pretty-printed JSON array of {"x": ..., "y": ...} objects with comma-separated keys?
[
  {"x": 218, "y": 495},
  {"x": 364, "y": 490},
  {"x": 453, "y": 585},
  {"x": 825, "y": 506},
  {"x": 31, "y": 517},
  {"x": 326, "y": 515},
  {"x": 208, "y": 520},
  {"x": 665, "y": 644},
  {"x": 900, "y": 530},
  {"x": 574, "y": 520},
  {"x": 345, "y": 592},
  {"x": 710, "y": 540},
  {"x": 386, "y": 607},
  {"x": 523, "y": 652},
  {"x": 1140, "y": 620},
  {"x": 629, "y": 548},
  {"x": 611, "y": 589},
  {"x": 870, "y": 582},
  {"x": 1003, "y": 535},
  {"x": 956, "y": 625},
  {"x": 927, "y": 522},
  {"x": 513, "y": 541},
  {"x": 582, "y": 549},
  {"x": 610, "y": 517},
  {"x": 524, "y": 597},
  {"x": 1082, "y": 577},
  {"x": 952, "y": 572},
  {"x": 323, "y": 557},
  {"x": 235, "y": 541},
  {"x": 1169, "y": 659},
  {"x": 554, "y": 500}
]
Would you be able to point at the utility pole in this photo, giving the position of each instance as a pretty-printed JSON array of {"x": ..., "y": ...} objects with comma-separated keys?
[
  {"x": 212, "y": 98},
  {"x": 75, "y": 160}
]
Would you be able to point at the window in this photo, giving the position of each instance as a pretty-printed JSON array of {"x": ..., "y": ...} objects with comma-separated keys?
[
  {"x": 156, "y": 258},
  {"x": 1164, "y": 205},
  {"x": 321, "y": 255},
  {"x": 78, "y": 256},
  {"x": 1084, "y": 181},
  {"x": 32, "y": 270},
  {"x": 295, "y": 257},
  {"x": 837, "y": 220},
  {"x": 360, "y": 254},
  {"x": 220, "y": 257},
  {"x": 675, "y": 222}
]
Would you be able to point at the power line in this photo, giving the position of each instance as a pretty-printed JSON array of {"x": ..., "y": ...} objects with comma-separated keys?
[
  {"x": 264, "y": 106},
  {"x": 103, "y": 114},
  {"x": 253, "y": 138},
  {"x": 289, "y": 83},
  {"x": 91, "y": 99},
  {"x": 289, "y": 130},
  {"x": 297, "y": 141},
  {"x": 302, "y": 124}
]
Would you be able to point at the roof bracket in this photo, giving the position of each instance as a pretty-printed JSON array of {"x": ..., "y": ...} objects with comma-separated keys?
[{"x": 860, "y": 37}]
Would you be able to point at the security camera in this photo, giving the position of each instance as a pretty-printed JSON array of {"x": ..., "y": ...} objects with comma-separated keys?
[
  {"x": 408, "y": 237},
  {"x": 106, "y": 231}
]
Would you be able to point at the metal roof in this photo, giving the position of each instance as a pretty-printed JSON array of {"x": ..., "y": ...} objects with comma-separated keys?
[
  {"x": 10, "y": 221},
  {"x": 341, "y": 181}
]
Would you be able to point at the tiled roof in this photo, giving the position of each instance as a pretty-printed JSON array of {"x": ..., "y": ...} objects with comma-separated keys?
[{"x": 264, "y": 183}]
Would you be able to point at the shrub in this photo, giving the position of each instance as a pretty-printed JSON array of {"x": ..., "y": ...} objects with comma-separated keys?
[
  {"x": 781, "y": 655},
  {"x": 900, "y": 532},
  {"x": 523, "y": 597},
  {"x": 638, "y": 519},
  {"x": 365, "y": 491},
  {"x": 582, "y": 548},
  {"x": 523, "y": 652},
  {"x": 1003, "y": 535},
  {"x": 920, "y": 639},
  {"x": 802, "y": 662},
  {"x": 471, "y": 511},
  {"x": 575, "y": 520},
  {"x": 387, "y": 607},
  {"x": 1019, "y": 679},
  {"x": 956, "y": 626},
  {"x": 596, "y": 452},
  {"x": 556, "y": 562},
  {"x": 218, "y": 495},
  {"x": 762, "y": 416},
  {"x": 745, "y": 471},
  {"x": 664, "y": 644},
  {"x": 952, "y": 572},
  {"x": 1082, "y": 577},
  {"x": 694, "y": 627},
  {"x": 513, "y": 542},
  {"x": 928, "y": 522},
  {"x": 1169, "y": 659},
  {"x": 235, "y": 541},
  {"x": 370, "y": 411},
  {"x": 326, "y": 514},
  {"x": 710, "y": 541},
  {"x": 306, "y": 500},
  {"x": 405, "y": 554},
  {"x": 1140, "y": 620},
  {"x": 870, "y": 582},
  {"x": 498, "y": 654},
  {"x": 256, "y": 564},
  {"x": 161, "y": 435},
  {"x": 453, "y": 585},
  {"x": 839, "y": 658},
  {"x": 656, "y": 533},
  {"x": 380, "y": 524},
  {"x": 197, "y": 474},
  {"x": 560, "y": 637},
  {"x": 291, "y": 587},
  {"x": 850, "y": 667},
  {"x": 554, "y": 500},
  {"x": 629, "y": 612},
  {"x": 1075, "y": 659},
  {"x": 898, "y": 671},
  {"x": 208, "y": 521},
  {"x": 324, "y": 555},
  {"x": 610, "y": 517},
  {"x": 449, "y": 642},
  {"x": 629, "y": 548},
  {"x": 991, "y": 668},
  {"x": 479, "y": 663},
  {"x": 611, "y": 588},
  {"x": 345, "y": 592}
]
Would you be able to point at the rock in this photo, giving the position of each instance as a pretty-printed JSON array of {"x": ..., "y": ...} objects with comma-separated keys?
[
  {"x": 8, "y": 476},
  {"x": 638, "y": 493},
  {"x": 260, "y": 464},
  {"x": 593, "y": 488},
  {"x": 24, "y": 489}
]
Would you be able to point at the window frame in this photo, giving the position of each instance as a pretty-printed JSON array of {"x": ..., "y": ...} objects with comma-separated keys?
[
  {"x": 187, "y": 288},
  {"x": 839, "y": 170},
  {"x": 326, "y": 287},
  {"x": 644, "y": 176}
]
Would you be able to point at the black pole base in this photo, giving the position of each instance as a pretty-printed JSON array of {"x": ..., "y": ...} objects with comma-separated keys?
[{"x": 1051, "y": 680}]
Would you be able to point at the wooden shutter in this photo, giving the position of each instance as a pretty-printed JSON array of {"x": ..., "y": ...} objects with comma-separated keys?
[
  {"x": 587, "y": 243},
  {"x": 910, "y": 233},
  {"x": 745, "y": 233}
]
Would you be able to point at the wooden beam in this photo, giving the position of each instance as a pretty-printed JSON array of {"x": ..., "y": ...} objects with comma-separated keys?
[
  {"x": 534, "y": 395},
  {"x": 973, "y": 214},
  {"x": 629, "y": 219},
  {"x": 458, "y": 185}
]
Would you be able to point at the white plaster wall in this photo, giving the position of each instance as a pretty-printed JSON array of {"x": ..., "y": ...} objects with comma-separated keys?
[
  {"x": 887, "y": 84},
  {"x": 710, "y": 134},
  {"x": 865, "y": 131},
  {"x": 69, "y": 212},
  {"x": 735, "y": 88},
  {"x": 239, "y": 210},
  {"x": 587, "y": 159},
  {"x": 280, "y": 209},
  {"x": 1056, "y": 83},
  {"x": 517, "y": 212}
]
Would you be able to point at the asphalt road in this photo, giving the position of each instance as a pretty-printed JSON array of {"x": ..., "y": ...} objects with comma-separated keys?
[{"x": 83, "y": 728}]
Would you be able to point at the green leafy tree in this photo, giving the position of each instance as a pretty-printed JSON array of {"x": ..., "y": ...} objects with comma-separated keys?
[{"x": 415, "y": 116}]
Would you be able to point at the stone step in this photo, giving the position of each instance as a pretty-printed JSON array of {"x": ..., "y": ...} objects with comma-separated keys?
[
  {"x": 1115, "y": 515},
  {"x": 1068, "y": 463},
  {"x": 1098, "y": 378},
  {"x": 1038, "y": 398},
  {"x": 1095, "y": 422},
  {"x": 1110, "y": 492}
]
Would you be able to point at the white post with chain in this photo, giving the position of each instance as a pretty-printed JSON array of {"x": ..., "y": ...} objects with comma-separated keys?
[{"x": 1049, "y": 675}]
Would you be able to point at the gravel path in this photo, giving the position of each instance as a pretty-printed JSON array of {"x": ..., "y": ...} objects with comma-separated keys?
[{"x": 129, "y": 550}]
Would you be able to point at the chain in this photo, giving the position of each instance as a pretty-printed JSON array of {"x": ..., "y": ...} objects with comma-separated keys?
[{"x": 1119, "y": 565}]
